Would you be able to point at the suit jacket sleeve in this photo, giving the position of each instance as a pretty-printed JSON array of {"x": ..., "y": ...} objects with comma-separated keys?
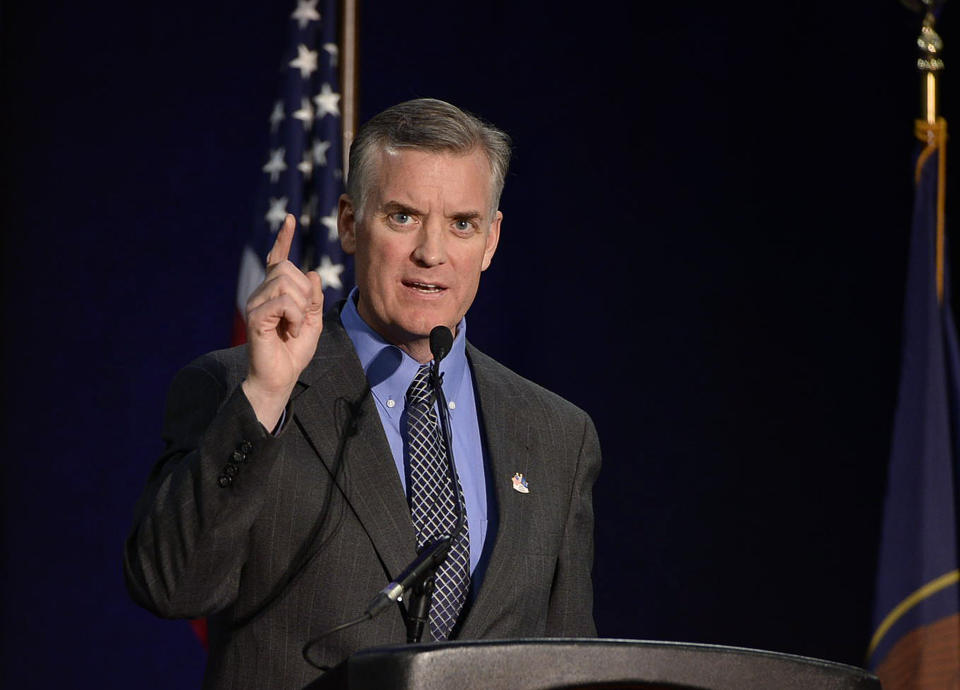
[
  {"x": 571, "y": 598},
  {"x": 190, "y": 535}
]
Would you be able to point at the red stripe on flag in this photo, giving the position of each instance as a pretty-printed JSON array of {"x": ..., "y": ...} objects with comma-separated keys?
[
  {"x": 239, "y": 335},
  {"x": 199, "y": 626}
]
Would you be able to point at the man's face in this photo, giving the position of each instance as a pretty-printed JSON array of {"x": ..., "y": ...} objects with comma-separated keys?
[{"x": 425, "y": 236}]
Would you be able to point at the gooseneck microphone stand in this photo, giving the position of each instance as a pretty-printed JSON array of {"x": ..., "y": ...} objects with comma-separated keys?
[{"x": 418, "y": 604}]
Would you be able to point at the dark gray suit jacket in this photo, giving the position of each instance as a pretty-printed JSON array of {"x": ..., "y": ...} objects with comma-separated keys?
[{"x": 315, "y": 521}]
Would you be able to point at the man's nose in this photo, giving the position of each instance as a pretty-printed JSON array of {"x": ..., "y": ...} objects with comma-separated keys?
[{"x": 430, "y": 249}]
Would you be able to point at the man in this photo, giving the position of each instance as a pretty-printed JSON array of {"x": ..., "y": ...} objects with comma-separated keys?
[{"x": 295, "y": 486}]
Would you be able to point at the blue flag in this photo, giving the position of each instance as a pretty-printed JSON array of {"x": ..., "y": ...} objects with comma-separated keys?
[
  {"x": 302, "y": 172},
  {"x": 916, "y": 640}
]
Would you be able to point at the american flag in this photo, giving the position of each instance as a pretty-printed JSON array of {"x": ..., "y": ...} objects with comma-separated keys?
[{"x": 302, "y": 172}]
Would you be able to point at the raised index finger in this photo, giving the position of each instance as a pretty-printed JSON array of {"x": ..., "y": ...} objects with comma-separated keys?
[{"x": 281, "y": 246}]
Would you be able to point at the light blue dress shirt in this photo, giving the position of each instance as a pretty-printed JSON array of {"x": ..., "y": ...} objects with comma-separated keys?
[{"x": 390, "y": 371}]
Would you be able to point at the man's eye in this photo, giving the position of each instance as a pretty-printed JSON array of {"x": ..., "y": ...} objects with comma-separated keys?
[
  {"x": 463, "y": 225},
  {"x": 400, "y": 218}
]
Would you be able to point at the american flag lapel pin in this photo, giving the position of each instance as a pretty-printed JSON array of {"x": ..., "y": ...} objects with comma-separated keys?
[{"x": 520, "y": 483}]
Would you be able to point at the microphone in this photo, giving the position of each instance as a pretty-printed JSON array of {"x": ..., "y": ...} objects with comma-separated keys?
[
  {"x": 441, "y": 340},
  {"x": 410, "y": 580},
  {"x": 423, "y": 565}
]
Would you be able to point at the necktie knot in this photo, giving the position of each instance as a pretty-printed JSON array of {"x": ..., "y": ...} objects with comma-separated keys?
[{"x": 420, "y": 392}]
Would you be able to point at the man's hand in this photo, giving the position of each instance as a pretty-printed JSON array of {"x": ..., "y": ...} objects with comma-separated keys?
[{"x": 284, "y": 321}]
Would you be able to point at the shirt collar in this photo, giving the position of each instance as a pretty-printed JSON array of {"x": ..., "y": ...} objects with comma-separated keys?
[{"x": 390, "y": 370}]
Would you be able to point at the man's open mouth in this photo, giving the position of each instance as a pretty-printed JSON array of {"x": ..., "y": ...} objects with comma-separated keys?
[{"x": 423, "y": 287}]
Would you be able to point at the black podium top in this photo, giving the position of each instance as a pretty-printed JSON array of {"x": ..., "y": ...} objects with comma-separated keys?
[{"x": 544, "y": 664}]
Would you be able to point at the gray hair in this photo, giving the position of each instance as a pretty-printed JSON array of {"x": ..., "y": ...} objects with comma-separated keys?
[{"x": 426, "y": 124}]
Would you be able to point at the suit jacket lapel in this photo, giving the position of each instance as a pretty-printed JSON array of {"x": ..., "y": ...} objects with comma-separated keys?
[
  {"x": 506, "y": 437},
  {"x": 331, "y": 390}
]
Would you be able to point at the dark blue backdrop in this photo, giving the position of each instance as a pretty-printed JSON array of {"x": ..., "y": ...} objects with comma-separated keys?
[{"x": 703, "y": 246}]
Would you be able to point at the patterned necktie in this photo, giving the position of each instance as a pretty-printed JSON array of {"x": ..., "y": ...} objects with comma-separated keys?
[{"x": 432, "y": 504}]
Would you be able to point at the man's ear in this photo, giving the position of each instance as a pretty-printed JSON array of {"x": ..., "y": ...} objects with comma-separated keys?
[
  {"x": 493, "y": 238},
  {"x": 347, "y": 224}
]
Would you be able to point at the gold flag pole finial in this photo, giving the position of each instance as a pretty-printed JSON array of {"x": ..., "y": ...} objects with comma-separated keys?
[
  {"x": 932, "y": 129},
  {"x": 930, "y": 63}
]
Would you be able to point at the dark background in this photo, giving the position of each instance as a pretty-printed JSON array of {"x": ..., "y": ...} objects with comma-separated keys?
[{"x": 703, "y": 246}]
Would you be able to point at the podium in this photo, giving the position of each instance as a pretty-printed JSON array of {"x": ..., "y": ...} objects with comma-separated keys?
[{"x": 542, "y": 664}]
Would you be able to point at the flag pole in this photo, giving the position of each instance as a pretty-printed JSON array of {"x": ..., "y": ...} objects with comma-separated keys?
[{"x": 348, "y": 76}]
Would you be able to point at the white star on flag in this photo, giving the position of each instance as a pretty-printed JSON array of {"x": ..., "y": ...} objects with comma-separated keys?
[
  {"x": 304, "y": 114},
  {"x": 333, "y": 51},
  {"x": 277, "y": 116},
  {"x": 306, "y": 165},
  {"x": 277, "y": 212},
  {"x": 306, "y": 61},
  {"x": 305, "y": 13},
  {"x": 327, "y": 101},
  {"x": 330, "y": 222},
  {"x": 276, "y": 164},
  {"x": 320, "y": 152},
  {"x": 329, "y": 273}
]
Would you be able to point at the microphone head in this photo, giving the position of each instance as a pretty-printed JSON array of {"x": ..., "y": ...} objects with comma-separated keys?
[{"x": 441, "y": 340}]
